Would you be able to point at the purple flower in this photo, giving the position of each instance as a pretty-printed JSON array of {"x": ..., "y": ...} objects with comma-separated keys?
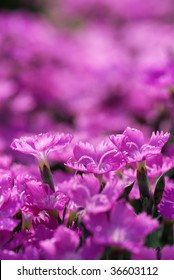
[
  {"x": 167, "y": 253},
  {"x": 133, "y": 146},
  {"x": 41, "y": 145},
  {"x": 103, "y": 201},
  {"x": 99, "y": 160},
  {"x": 80, "y": 189},
  {"x": 90, "y": 250},
  {"x": 5, "y": 236},
  {"x": 10, "y": 203},
  {"x": 123, "y": 228},
  {"x": 5, "y": 162},
  {"x": 145, "y": 254},
  {"x": 40, "y": 196},
  {"x": 84, "y": 192},
  {"x": 29, "y": 253},
  {"x": 62, "y": 245},
  {"x": 8, "y": 255},
  {"x": 7, "y": 224},
  {"x": 166, "y": 206},
  {"x": 158, "y": 165}
]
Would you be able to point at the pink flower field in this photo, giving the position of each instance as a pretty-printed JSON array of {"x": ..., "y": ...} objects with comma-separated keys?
[{"x": 87, "y": 130}]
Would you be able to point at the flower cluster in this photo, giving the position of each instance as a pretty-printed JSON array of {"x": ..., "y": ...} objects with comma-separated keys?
[
  {"x": 81, "y": 215},
  {"x": 86, "y": 130}
]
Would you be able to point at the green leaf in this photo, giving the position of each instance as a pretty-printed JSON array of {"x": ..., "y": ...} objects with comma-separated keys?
[
  {"x": 159, "y": 189},
  {"x": 126, "y": 192},
  {"x": 170, "y": 173},
  {"x": 137, "y": 205},
  {"x": 160, "y": 185},
  {"x": 167, "y": 236},
  {"x": 153, "y": 239}
]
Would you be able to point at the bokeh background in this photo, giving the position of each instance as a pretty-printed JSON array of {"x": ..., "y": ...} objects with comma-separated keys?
[{"x": 90, "y": 68}]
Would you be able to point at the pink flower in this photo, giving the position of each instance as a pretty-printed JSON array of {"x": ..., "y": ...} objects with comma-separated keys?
[
  {"x": 99, "y": 160},
  {"x": 133, "y": 146},
  {"x": 84, "y": 192},
  {"x": 123, "y": 228},
  {"x": 145, "y": 254},
  {"x": 10, "y": 203},
  {"x": 158, "y": 165},
  {"x": 41, "y": 145},
  {"x": 168, "y": 253},
  {"x": 166, "y": 206},
  {"x": 40, "y": 196},
  {"x": 62, "y": 245}
]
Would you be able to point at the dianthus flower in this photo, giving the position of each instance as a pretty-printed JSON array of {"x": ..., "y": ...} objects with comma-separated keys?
[
  {"x": 135, "y": 149},
  {"x": 90, "y": 250},
  {"x": 40, "y": 146},
  {"x": 80, "y": 189},
  {"x": 5, "y": 161},
  {"x": 28, "y": 253},
  {"x": 99, "y": 160},
  {"x": 10, "y": 204},
  {"x": 123, "y": 229},
  {"x": 158, "y": 165},
  {"x": 145, "y": 254},
  {"x": 166, "y": 253},
  {"x": 84, "y": 192},
  {"x": 133, "y": 146},
  {"x": 40, "y": 196},
  {"x": 62, "y": 245}
]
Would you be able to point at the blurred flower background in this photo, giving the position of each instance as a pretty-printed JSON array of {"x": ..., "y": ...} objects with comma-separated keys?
[{"x": 89, "y": 69}]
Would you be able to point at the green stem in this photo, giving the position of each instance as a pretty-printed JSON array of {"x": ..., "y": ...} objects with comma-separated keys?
[
  {"x": 46, "y": 174},
  {"x": 144, "y": 189}
]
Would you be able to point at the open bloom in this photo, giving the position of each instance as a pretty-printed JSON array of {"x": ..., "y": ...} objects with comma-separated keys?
[
  {"x": 40, "y": 196},
  {"x": 133, "y": 146},
  {"x": 84, "y": 192},
  {"x": 123, "y": 229},
  {"x": 41, "y": 145},
  {"x": 99, "y": 160}
]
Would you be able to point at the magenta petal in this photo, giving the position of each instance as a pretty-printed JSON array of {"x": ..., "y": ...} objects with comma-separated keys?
[
  {"x": 41, "y": 144},
  {"x": 145, "y": 254},
  {"x": 98, "y": 204},
  {"x": 159, "y": 139},
  {"x": 62, "y": 245},
  {"x": 90, "y": 250},
  {"x": 80, "y": 195},
  {"x": 134, "y": 135},
  {"x": 166, "y": 206},
  {"x": 123, "y": 229},
  {"x": 8, "y": 224},
  {"x": 82, "y": 149},
  {"x": 168, "y": 253}
]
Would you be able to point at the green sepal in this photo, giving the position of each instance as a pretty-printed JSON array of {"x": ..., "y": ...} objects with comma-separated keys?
[{"x": 126, "y": 192}]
